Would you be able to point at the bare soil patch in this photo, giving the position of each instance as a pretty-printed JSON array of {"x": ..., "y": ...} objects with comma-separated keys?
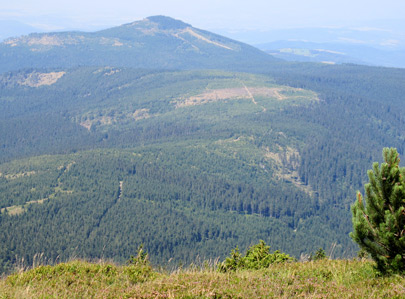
[
  {"x": 17, "y": 175},
  {"x": 103, "y": 120},
  {"x": 231, "y": 94},
  {"x": 287, "y": 162},
  {"x": 203, "y": 38},
  {"x": 38, "y": 79},
  {"x": 45, "y": 40},
  {"x": 141, "y": 114}
]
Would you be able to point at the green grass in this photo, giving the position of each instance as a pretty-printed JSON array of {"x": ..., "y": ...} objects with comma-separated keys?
[{"x": 319, "y": 279}]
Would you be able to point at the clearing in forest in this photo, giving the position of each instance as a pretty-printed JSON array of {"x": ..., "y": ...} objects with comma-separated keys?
[{"x": 237, "y": 93}]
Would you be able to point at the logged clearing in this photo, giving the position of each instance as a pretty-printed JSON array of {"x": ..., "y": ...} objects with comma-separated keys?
[
  {"x": 103, "y": 120},
  {"x": 141, "y": 114},
  {"x": 287, "y": 162},
  {"x": 111, "y": 41},
  {"x": 17, "y": 175},
  {"x": 46, "y": 40},
  {"x": 38, "y": 79},
  {"x": 253, "y": 98},
  {"x": 234, "y": 94},
  {"x": 19, "y": 209}
]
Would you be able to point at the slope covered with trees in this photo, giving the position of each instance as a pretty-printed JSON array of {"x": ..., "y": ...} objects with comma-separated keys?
[
  {"x": 98, "y": 159},
  {"x": 181, "y": 200},
  {"x": 156, "y": 42}
]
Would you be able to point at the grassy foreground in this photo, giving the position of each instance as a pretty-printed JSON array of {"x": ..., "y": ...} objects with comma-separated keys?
[{"x": 319, "y": 279}]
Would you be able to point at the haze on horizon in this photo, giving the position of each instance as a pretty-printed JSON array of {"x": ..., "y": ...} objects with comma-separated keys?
[{"x": 230, "y": 15}]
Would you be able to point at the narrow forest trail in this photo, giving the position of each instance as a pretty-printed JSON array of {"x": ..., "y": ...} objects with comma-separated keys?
[
  {"x": 115, "y": 201},
  {"x": 120, "y": 191},
  {"x": 253, "y": 98}
]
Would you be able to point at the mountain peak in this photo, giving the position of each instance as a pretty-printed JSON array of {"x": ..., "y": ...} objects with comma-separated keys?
[
  {"x": 158, "y": 42},
  {"x": 167, "y": 23}
]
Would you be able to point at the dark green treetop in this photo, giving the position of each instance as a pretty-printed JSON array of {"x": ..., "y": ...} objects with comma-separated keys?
[{"x": 379, "y": 225}]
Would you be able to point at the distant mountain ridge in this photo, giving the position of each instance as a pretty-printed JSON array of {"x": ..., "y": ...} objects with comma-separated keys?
[
  {"x": 334, "y": 53},
  {"x": 157, "y": 42},
  {"x": 11, "y": 28}
]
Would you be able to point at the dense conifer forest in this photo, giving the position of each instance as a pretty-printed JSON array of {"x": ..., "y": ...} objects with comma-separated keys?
[{"x": 190, "y": 161}]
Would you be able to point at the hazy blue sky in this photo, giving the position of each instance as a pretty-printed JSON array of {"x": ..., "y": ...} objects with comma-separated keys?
[{"x": 207, "y": 14}]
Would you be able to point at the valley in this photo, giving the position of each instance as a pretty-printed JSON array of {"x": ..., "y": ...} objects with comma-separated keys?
[{"x": 159, "y": 133}]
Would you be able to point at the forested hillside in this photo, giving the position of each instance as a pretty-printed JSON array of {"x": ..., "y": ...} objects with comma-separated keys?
[
  {"x": 179, "y": 200},
  {"x": 109, "y": 107},
  {"x": 98, "y": 159},
  {"x": 156, "y": 42}
]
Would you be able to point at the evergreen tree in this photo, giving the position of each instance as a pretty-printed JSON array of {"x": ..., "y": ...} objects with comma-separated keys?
[{"x": 379, "y": 225}]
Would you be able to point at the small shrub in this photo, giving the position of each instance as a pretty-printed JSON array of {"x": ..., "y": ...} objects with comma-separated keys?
[
  {"x": 141, "y": 257},
  {"x": 139, "y": 269},
  {"x": 257, "y": 257},
  {"x": 235, "y": 261},
  {"x": 320, "y": 254}
]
